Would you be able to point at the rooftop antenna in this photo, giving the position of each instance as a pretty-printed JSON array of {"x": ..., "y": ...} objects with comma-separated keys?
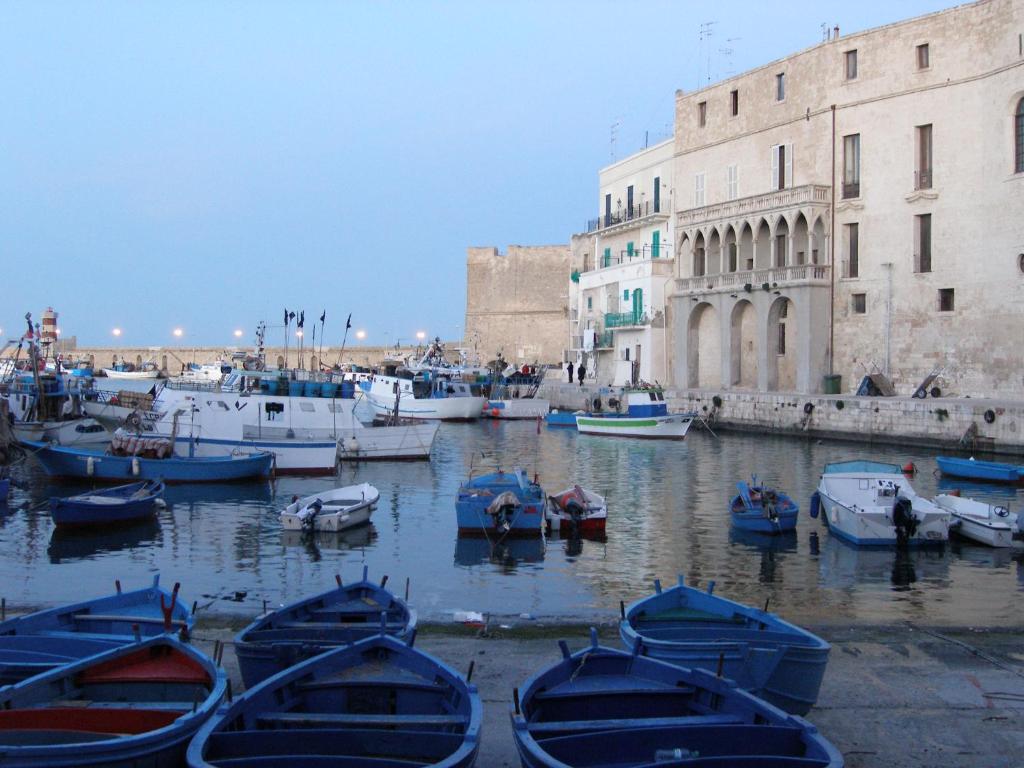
[
  {"x": 705, "y": 33},
  {"x": 614, "y": 136},
  {"x": 727, "y": 53},
  {"x": 824, "y": 31}
]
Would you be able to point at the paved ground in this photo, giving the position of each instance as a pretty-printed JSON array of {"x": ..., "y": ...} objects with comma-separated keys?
[{"x": 893, "y": 696}]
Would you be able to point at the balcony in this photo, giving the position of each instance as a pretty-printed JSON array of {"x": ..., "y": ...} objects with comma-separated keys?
[
  {"x": 644, "y": 252},
  {"x": 625, "y": 319},
  {"x": 627, "y": 217},
  {"x": 604, "y": 340},
  {"x": 809, "y": 194},
  {"x": 756, "y": 279}
]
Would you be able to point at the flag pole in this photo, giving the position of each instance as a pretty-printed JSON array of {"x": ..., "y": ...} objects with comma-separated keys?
[
  {"x": 341, "y": 352},
  {"x": 323, "y": 319}
]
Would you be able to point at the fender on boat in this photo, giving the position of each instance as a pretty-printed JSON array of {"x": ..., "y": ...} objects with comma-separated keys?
[{"x": 815, "y": 504}]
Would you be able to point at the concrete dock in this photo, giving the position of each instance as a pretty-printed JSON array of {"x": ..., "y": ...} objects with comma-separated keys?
[{"x": 895, "y": 696}]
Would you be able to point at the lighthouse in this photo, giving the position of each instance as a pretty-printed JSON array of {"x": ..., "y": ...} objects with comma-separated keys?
[{"x": 48, "y": 332}]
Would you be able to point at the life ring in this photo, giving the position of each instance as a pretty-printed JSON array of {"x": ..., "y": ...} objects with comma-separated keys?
[
  {"x": 808, "y": 408},
  {"x": 989, "y": 416}
]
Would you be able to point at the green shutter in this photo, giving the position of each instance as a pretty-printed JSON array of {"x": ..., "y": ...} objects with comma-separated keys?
[
  {"x": 607, "y": 260},
  {"x": 656, "y": 244},
  {"x": 629, "y": 249},
  {"x": 625, "y": 295},
  {"x": 638, "y": 304}
]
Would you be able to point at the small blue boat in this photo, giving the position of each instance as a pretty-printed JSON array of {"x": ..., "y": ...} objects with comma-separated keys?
[
  {"x": 769, "y": 657},
  {"x": 131, "y": 707},
  {"x": 376, "y": 703},
  {"x": 99, "y": 466},
  {"x": 38, "y": 642},
  {"x": 500, "y": 504},
  {"x": 311, "y": 626},
  {"x": 989, "y": 471},
  {"x": 562, "y": 419},
  {"x": 762, "y": 509},
  {"x": 121, "y": 504},
  {"x": 5, "y": 488},
  {"x": 602, "y": 707}
]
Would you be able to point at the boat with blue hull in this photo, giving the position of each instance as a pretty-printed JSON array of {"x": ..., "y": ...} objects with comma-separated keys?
[
  {"x": 101, "y": 466},
  {"x": 972, "y": 469},
  {"x": 760, "y": 508},
  {"x": 645, "y": 415},
  {"x": 299, "y": 631},
  {"x": 38, "y": 642},
  {"x": 765, "y": 655},
  {"x": 5, "y": 489},
  {"x": 122, "y": 504},
  {"x": 602, "y": 707},
  {"x": 376, "y": 703},
  {"x": 135, "y": 706},
  {"x": 500, "y": 504}
]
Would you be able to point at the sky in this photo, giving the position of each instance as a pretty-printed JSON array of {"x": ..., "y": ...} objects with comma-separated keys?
[{"x": 202, "y": 166}]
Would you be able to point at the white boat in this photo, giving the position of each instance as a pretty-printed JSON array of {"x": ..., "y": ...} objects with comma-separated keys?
[
  {"x": 333, "y": 510},
  {"x": 148, "y": 371},
  {"x": 409, "y": 441},
  {"x": 984, "y": 523},
  {"x": 517, "y": 408},
  {"x": 425, "y": 396},
  {"x": 645, "y": 415},
  {"x": 577, "y": 509},
  {"x": 872, "y": 503},
  {"x": 78, "y": 432}
]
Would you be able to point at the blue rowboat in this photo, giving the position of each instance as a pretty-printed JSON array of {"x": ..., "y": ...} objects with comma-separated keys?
[
  {"x": 376, "y": 703},
  {"x": 131, "y": 707},
  {"x": 38, "y": 642},
  {"x": 5, "y": 488},
  {"x": 762, "y": 509},
  {"x": 603, "y": 707},
  {"x": 990, "y": 471},
  {"x": 100, "y": 466},
  {"x": 765, "y": 655},
  {"x": 562, "y": 419},
  {"x": 311, "y": 626},
  {"x": 121, "y": 504},
  {"x": 500, "y": 504}
]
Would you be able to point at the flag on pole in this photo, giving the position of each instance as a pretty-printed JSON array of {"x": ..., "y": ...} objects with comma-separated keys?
[
  {"x": 348, "y": 323},
  {"x": 286, "y": 317},
  {"x": 323, "y": 317},
  {"x": 302, "y": 319}
]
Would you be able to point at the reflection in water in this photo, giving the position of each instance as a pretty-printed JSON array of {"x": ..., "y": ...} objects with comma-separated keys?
[
  {"x": 314, "y": 541},
  {"x": 507, "y": 553},
  {"x": 769, "y": 548},
  {"x": 68, "y": 544},
  {"x": 846, "y": 566}
]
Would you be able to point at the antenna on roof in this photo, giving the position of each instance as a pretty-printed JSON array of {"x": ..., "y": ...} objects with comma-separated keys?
[
  {"x": 705, "y": 33},
  {"x": 614, "y": 136}
]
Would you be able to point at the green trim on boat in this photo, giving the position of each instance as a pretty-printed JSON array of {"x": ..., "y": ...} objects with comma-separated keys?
[{"x": 612, "y": 422}]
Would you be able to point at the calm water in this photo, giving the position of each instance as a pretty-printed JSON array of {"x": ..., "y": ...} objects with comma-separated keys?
[{"x": 667, "y": 515}]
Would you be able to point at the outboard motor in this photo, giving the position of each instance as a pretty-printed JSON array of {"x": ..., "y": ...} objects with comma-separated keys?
[
  {"x": 309, "y": 519},
  {"x": 904, "y": 520}
]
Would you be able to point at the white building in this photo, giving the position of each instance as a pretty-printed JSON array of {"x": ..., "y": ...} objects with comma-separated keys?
[
  {"x": 855, "y": 207},
  {"x": 622, "y": 271}
]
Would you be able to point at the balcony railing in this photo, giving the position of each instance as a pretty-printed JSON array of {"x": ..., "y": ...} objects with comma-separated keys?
[
  {"x": 813, "y": 194},
  {"x": 625, "y": 319},
  {"x": 923, "y": 179},
  {"x": 851, "y": 190},
  {"x": 646, "y": 251},
  {"x": 756, "y": 279},
  {"x": 625, "y": 215}
]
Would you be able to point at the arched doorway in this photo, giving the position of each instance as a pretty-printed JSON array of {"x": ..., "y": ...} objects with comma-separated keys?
[
  {"x": 763, "y": 246},
  {"x": 699, "y": 256},
  {"x": 818, "y": 253},
  {"x": 781, "y": 339},
  {"x": 714, "y": 253},
  {"x": 743, "y": 346},
  {"x": 746, "y": 248},
  {"x": 704, "y": 350},
  {"x": 800, "y": 241},
  {"x": 731, "y": 252},
  {"x": 780, "y": 242}
]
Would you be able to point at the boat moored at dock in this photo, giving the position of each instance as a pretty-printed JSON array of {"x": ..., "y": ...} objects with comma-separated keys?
[
  {"x": 643, "y": 413},
  {"x": 500, "y": 504},
  {"x": 989, "y": 524}
]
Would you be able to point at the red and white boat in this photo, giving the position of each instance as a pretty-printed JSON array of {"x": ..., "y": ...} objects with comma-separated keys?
[{"x": 577, "y": 508}]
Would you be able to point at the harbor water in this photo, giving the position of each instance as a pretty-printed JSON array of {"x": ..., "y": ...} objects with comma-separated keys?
[{"x": 667, "y": 515}]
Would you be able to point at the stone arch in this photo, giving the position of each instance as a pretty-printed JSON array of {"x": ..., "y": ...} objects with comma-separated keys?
[
  {"x": 743, "y": 346},
  {"x": 781, "y": 233},
  {"x": 730, "y": 250},
  {"x": 745, "y": 258},
  {"x": 683, "y": 249},
  {"x": 762, "y": 245},
  {"x": 801, "y": 239},
  {"x": 138, "y": 362},
  {"x": 704, "y": 348},
  {"x": 714, "y": 252},
  {"x": 699, "y": 255},
  {"x": 781, "y": 340},
  {"x": 819, "y": 254}
]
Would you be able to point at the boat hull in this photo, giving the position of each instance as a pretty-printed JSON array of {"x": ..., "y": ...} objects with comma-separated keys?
[
  {"x": 339, "y": 510},
  {"x": 865, "y": 529},
  {"x": 517, "y": 408},
  {"x": 75, "y": 432},
  {"x": 651, "y": 428},
  {"x": 989, "y": 471},
  {"x": 86, "y": 511},
  {"x": 406, "y": 442},
  {"x": 984, "y": 523},
  {"x": 748, "y": 513},
  {"x": 440, "y": 409},
  {"x": 474, "y": 498}
]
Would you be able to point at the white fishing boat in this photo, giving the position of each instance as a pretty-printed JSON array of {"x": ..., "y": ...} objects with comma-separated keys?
[
  {"x": 516, "y": 398},
  {"x": 333, "y": 510},
  {"x": 129, "y": 371},
  {"x": 380, "y": 442},
  {"x": 76, "y": 432},
  {"x": 643, "y": 414},
  {"x": 577, "y": 509},
  {"x": 872, "y": 503},
  {"x": 984, "y": 523},
  {"x": 425, "y": 395}
]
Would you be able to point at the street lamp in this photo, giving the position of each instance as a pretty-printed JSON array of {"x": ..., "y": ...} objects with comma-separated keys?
[
  {"x": 421, "y": 335},
  {"x": 360, "y": 334},
  {"x": 238, "y": 334},
  {"x": 298, "y": 333},
  {"x": 116, "y": 332},
  {"x": 178, "y": 332}
]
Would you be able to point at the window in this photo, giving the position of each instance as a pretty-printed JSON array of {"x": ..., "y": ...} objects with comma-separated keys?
[
  {"x": 656, "y": 244},
  {"x": 923, "y": 243},
  {"x": 307, "y": 407},
  {"x": 1018, "y": 135},
  {"x": 732, "y": 257},
  {"x": 629, "y": 202},
  {"x": 853, "y": 250},
  {"x": 782, "y": 166},
  {"x": 860, "y": 304},
  {"x": 780, "y": 250},
  {"x": 851, "y": 65},
  {"x": 657, "y": 194},
  {"x": 780, "y": 86},
  {"x": 923, "y": 174},
  {"x": 606, "y": 259},
  {"x": 923, "y": 61},
  {"x": 945, "y": 299},
  {"x": 590, "y": 302},
  {"x": 629, "y": 250},
  {"x": 607, "y": 210},
  {"x": 781, "y": 348},
  {"x": 734, "y": 103},
  {"x": 732, "y": 181},
  {"x": 784, "y": 310},
  {"x": 702, "y": 114},
  {"x": 698, "y": 190},
  {"x": 625, "y": 295},
  {"x": 851, "y": 166}
]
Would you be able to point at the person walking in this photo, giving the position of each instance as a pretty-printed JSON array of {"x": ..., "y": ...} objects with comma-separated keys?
[
  {"x": 581, "y": 372},
  {"x": 570, "y": 371}
]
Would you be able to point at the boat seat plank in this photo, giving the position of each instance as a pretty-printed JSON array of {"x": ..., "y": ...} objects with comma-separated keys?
[
  {"x": 111, "y": 720},
  {"x": 411, "y": 683},
  {"x": 316, "y": 761},
  {"x": 561, "y": 694},
  {"x": 336, "y": 718},
  {"x": 695, "y": 721},
  {"x": 127, "y": 619},
  {"x": 744, "y": 761},
  {"x": 424, "y": 746},
  {"x": 392, "y": 626},
  {"x": 690, "y": 614}
]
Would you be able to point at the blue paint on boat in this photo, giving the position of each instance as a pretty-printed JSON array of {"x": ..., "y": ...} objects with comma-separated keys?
[
  {"x": 38, "y": 642},
  {"x": 765, "y": 655},
  {"x": 119, "y": 505},
  {"x": 476, "y": 494},
  {"x": 135, "y": 706},
  {"x": 603, "y": 707},
  {"x": 815, "y": 505},
  {"x": 5, "y": 488},
  {"x": 989, "y": 471},
  {"x": 562, "y": 418},
  {"x": 97, "y": 465},
  {"x": 376, "y": 703},
  {"x": 762, "y": 509},
  {"x": 299, "y": 631}
]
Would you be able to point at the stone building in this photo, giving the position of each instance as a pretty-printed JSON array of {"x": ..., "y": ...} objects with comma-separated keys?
[
  {"x": 857, "y": 207},
  {"x": 517, "y": 303},
  {"x": 622, "y": 266}
]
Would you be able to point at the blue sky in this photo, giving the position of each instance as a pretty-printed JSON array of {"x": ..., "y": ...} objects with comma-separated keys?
[{"x": 204, "y": 165}]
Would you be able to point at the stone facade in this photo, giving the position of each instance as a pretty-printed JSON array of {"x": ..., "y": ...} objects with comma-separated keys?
[
  {"x": 517, "y": 303},
  {"x": 857, "y": 207}
]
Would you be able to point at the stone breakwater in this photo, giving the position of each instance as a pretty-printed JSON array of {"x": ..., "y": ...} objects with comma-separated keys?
[{"x": 951, "y": 424}]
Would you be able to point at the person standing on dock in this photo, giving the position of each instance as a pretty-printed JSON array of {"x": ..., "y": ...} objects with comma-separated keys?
[
  {"x": 570, "y": 367},
  {"x": 581, "y": 372}
]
